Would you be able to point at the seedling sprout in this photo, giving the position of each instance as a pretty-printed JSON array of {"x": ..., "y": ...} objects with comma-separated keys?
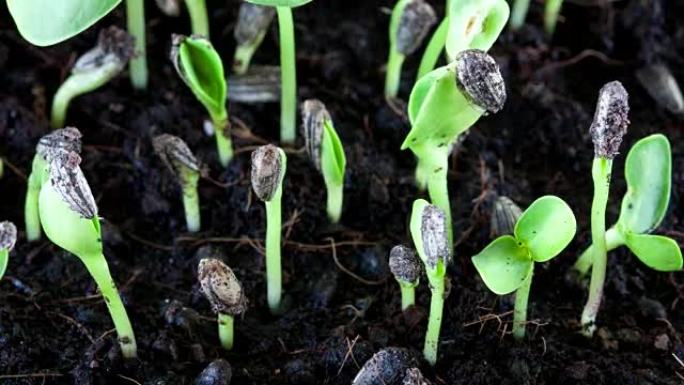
[
  {"x": 200, "y": 67},
  {"x": 410, "y": 23},
  {"x": 269, "y": 164},
  {"x": 68, "y": 214},
  {"x": 199, "y": 19},
  {"x": 252, "y": 24},
  {"x": 288, "y": 65},
  {"x": 60, "y": 141},
  {"x": 326, "y": 152},
  {"x": 405, "y": 267},
  {"x": 8, "y": 237},
  {"x": 224, "y": 292},
  {"x": 430, "y": 236},
  {"x": 135, "y": 18},
  {"x": 93, "y": 70},
  {"x": 507, "y": 264},
  {"x": 180, "y": 160}
]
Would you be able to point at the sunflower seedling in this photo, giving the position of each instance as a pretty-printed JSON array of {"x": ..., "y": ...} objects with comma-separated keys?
[
  {"x": 68, "y": 214},
  {"x": 443, "y": 105},
  {"x": 250, "y": 30},
  {"x": 409, "y": 25},
  {"x": 326, "y": 152},
  {"x": 64, "y": 140},
  {"x": 429, "y": 232},
  {"x": 269, "y": 164},
  {"x": 288, "y": 65},
  {"x": 93, "y": 70},
  {"x": 648, "y": 172},
  {"x": 224, "y": 292},
  {"x": 200, "y": 67},
  {"x": 8, "y": 237},
  {"x": 405, "y": 267},
  {"x": 507, "y": 264},
  {"x": 182, "y": 163}
]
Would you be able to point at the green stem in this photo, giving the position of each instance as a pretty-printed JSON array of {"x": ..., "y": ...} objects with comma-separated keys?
[
  {"x": 243, "y": 55},
  {"x": 393, "y": 75},
  {"x": 438, "y": 186},
  {"x": 519, "y": 13},
  {"x": 224, "y": 143},
  {"x": 551, "y": 11},
  {"x": 225, "y": 330},
  {"x": 273, "y": 266},
  {"x": 31, "y": 211},
  {"x": 613, "y": 241},
  {"x": 199, "y": 20},
  {"x": 600, "y": 172},
  {"x": 520, "y": 310},
  {"x": 435, "y": 320},
  {"x": 135, "y": 16},
  {"x": 434, "y": 49},
  {"x": 408, "y": 295},
  {"x": 288, "y": 74},
  {"x": 98, "y": 268},
  {"x": 191, "y": 202},
  {"x": 421, "y": 175},
  {"x": 335, "y": 199},
  {"x": 4, "y": 260}
]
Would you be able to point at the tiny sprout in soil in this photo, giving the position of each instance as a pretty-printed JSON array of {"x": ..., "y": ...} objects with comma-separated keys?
[
  {"x": 507, "y": 264},
  {"x": 180, "y": 160},
  {"x": 405, "y": 267},
  {"x": 269, "y": 164},
  {"x": 224, "y": 292},
  {"x": 8, "y": 237},
  {"x": 252, "y": 25}
]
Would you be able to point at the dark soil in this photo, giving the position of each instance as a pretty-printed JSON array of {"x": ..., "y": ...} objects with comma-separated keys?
[{"x": 55, "y": 329}]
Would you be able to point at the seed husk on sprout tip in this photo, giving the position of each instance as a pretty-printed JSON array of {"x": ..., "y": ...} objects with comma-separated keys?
[
  {"x": 266, "y": 171},
  {"x": 610, "y": 120},
  {"x": 60, "y": 141},
  {"x": 314, "y": 115},
  {"x": 69, "y": 182},
  {"x": 414, "y": 25},
  {"x": 252, "y": 25},
  {"x": 405, "y": 267},
  {"x": 479, "y": 78},
  {"x": 224, "y": 292},
  {"x": 8, "y": 237},
  {"x": 180, "y": 160},
  {"x": 505, "y": 214},
  {"x": 434, "y": 232}
]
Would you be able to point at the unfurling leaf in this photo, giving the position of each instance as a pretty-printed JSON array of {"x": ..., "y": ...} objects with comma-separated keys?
[
  {"x": 503, "y": 265},
  {"x": 546, "y": 227}
]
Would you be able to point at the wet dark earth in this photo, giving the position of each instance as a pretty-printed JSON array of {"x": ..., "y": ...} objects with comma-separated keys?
[{"x": 341, "y": 303}]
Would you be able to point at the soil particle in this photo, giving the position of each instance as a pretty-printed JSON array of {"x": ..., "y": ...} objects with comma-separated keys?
[
  {"x": 386, "y": 367},
  {"x": 218, "y": 372}
]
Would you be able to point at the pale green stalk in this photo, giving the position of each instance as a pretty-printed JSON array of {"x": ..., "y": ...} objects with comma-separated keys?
[
  {"x": 199, "y": 18},
  {"x": 225, "y": 330},
  {"x": 273, "y": 265},
  {"x": 4, "y": 260},
  {"x": 335, "y": 199},
  {"x": 434, "y": 320},
  {"x": 191, "y": 201},
  {"x": 408, "y": 295},
  {"x": 520, "y": 310},
  {"x": 288, "y": 71},
  {"x": 519, "y": 13},
  {"x": 224, "y": 143},
  {"x": 551, "y": 11},
  {"x": 31, "y": 211},
  {"x": 434, "y": 48},
  {"x": 135, "y": 16},
  {"x": 393, "y": 74},
  {"x": 613, "y": 241}
]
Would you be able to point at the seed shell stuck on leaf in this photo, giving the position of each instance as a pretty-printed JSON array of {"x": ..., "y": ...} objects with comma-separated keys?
[
  {"x": 610, "y": 120},
  {"x": 61, "y": 141},
  {"x": 479, "y": 79},
  {"x": 314, "y": 115},
  {"x": 221, "y": 288},
  {"x": 175, "y": 154},
  {"x": 266, "y": 171},
  {"x": 113, "y": 45},
  {"x": 8, "y": 235},
  {"x": 433, "y": 231},
  {"x": 415, "y": 23},
  {"x": 404, "y": 264},
  {"x": 253, "y": 20},
  {"x": 504, "y": 216},
  {"x": 68, "y": 180}
]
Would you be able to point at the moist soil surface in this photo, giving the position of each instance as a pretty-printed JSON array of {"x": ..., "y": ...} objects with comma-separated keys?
[{"x": 341, "y": 304}]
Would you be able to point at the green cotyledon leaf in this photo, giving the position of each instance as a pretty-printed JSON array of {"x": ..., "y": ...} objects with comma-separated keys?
[
  {"x": 546, "y": 227},
  {"x": 503, "y": 265}
]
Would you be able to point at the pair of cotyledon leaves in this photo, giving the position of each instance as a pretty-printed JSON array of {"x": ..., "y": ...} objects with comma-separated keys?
[{"x": 47, "y": 22}]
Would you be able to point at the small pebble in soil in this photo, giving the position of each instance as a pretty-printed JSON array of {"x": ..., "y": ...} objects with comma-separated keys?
[
  {"x": 322, "y": 289},
  {"x": 413, "y": 376},
  {"x": 218, "y": 372},
  {"x": 662, "y": 342},
  {"x": 185, "y": 318},
  {"x": 373, "y": 263},
  {"x": 386, "y": 367}
]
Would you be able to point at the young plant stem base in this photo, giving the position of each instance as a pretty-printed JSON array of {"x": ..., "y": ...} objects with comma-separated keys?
[
  {"x": 192, "y": 208},
  {"x": 199, "y": 19},
  {"x": 408, "y": 295},
  {"x": 335, "y": 199},
  {"x": 135, "y": 16},
  {"x": 225, "y": 330},
  {"x": 435, "y": 321},
  {"x": 438, "y": 187},
  {"x": 600, "y": 173},
  {"x": 393, "y": 75},
  {"x": 224, "y": 144},
  {"x": 520, "y": 310},
  {"x": 584, "y": 262},
  {"x": 551, "y": 10},
  {"x": 31, "y": 211},
  {"x": 243, "y": 57},
  {"x": 519, "y": 13},
  {"x": 273, "y": 266},
  {"x": 98, "y": 268},
  {"x": 288, "y": 74},
  {"x": 434, "y": 49}
]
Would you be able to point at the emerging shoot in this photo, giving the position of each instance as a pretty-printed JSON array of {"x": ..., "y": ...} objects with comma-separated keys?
[
  {"x": 199, "y": 19},
  {"x": 8, "y": 237},
  {"x": 405, "y": 267},
  {"x": 443, "y": 105},
  {"x": 507, "y": 264},
  {"x": 252, "y": 25},
  {"x": 288, "y": 65},
  {"x": 200, "y": 67},
  {"x": 429, "y": 233},
  {"x": 410, "y": 23},
  {"x": 69, "y": 217},
  {"x": 62, "y": 141},
  {"x": 607, "y": 129},
  {"x": 269, "y": 164},
  {"x": 326, "y": 152},
  {"x": 552, "y": 9},
  {"x": 224, "y": 292},
  {"x": 135, "y": 19},
  {"x": 179, "y": 159},
  {"x": 93, "y": 70}
]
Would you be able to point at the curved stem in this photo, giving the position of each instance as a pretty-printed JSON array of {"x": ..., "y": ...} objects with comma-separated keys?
[
  {"x": 551, "y": 11},
  {"x": 520, "y": 310},
  {"x": 244, "y": 53},
  {"x": 437, "y": 186},
  {"x": 224, "y": 143},
  {"x": 434, "y": 49},
  {"x": 199, "y": 20},
  {"x": 273, "y": 264},
  {"x": 335, "y": 199},
  {"x": 31, "y": 211},
  {"x": 408, "y": 295},
  {"x": 519, "y": 13},
  {"x": 601, "y": 176},
  {"x": 393, "y": 75},
  {"x": 225, "y": 330},
  {"x": 288, "y": 73},
  {"x": 135, "y": 17},
  {"x": 435, "y": 320},
  {"x": 191, "y": 201},
  {"x": 613, "y": 241},
  {"x": 99, "y": 270}
]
